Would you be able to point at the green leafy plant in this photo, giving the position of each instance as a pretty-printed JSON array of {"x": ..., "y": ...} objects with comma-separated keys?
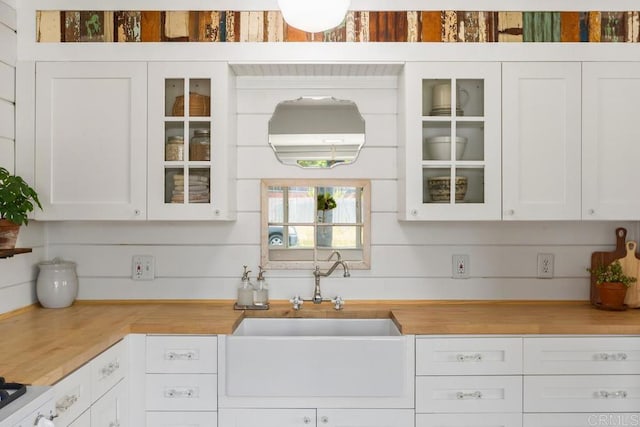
[
  {"x": 326, "y": 202},
  {"x": 17, "y": 198},
  {"x": 611, "y": 273}
]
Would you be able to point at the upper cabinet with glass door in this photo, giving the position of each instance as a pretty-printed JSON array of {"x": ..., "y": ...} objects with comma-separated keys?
[
  {"x": 449, "y": 158},
  {"x": 190, "y": 141}
]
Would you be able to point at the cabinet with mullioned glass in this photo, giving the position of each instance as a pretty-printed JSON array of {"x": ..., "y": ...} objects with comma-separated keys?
[
  {"x": 449, "y": 141},
  {"x": 191, "y": 141}
]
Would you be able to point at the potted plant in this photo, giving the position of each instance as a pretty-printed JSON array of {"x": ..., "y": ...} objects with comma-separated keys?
[
  {"x": 612, "y": 284},
  {"x": 326, "y": 203},
  {"x": 17, "y": 199}
]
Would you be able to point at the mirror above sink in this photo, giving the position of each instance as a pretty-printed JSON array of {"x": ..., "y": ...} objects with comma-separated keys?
[{"x": 316, "y": 132}]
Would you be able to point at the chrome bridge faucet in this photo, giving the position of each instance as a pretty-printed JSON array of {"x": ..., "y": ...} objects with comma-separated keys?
[{"x": 338, "y": 302}]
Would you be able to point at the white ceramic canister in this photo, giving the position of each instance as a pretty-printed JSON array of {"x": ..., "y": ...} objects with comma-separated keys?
[{"x": 57, "y": 284}]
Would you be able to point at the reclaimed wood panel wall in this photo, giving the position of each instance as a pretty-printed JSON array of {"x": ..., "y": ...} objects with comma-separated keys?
[{"x": 358, "y": 26}]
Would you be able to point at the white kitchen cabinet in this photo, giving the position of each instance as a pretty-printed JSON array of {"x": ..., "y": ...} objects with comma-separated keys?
[
  {"x": 111, "y": 410},
  {"x": 181, "y": 380},
  {"x": 96, "y": 391},
  {"x": 191, "y": 161},
  {"x": 90, "y": 140},
  {"x": 428, "y": 161},
  {"x": 469, "y": 420},
  {"x": 581, "y": 420},
  {"x": 579, "y": 377},
  {"x": 316, "y": 417},
  {"x": 610, "y": 149},
  {"x": 541, "y": 140}
]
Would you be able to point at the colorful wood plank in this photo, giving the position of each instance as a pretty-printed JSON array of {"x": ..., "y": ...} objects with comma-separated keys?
[
  {"x": 595, "y": 32},
  {"x": 150, "y": 26},
  {"x": 128, "y": 26},
  {"x": 569, "y": 27},
  {"x": 510, "y": 27},
  {"x": 48, "y": 25},
  {"x": 613, "y": 27},
  {"x": 431, "y": 26}
]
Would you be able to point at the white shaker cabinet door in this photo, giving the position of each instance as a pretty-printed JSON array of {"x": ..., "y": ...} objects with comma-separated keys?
[
  {"x": 365, "y": 418},
  {"x": 541, "y": 141},
  {"x": 91, "y": 140},
  {"x": 610, "y": 148},
  {"x": 267, "y": 417},
  {"x": 111, "y": 409}
]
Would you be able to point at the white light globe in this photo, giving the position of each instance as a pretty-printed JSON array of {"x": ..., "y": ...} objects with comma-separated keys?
[{"x": 314, "y": 16}]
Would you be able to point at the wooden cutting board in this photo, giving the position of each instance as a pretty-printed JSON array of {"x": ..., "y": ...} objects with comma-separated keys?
[
  {"x": 631, "y": 267},
  {"x": 606, "y": 258}
]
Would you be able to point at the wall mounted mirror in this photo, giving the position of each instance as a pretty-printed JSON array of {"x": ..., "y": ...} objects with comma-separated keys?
[
  {"x": 303, "y": 221},
  {"x": 316, "y": 132}
]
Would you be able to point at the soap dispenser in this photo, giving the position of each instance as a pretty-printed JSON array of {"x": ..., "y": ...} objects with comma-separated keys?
[
  {"x": 261, "y": 294},
  {"x": 245, "y": 291}
]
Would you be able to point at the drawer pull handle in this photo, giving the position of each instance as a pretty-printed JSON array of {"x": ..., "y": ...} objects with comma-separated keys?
[
  {"x": 110, "y": 369},
  {"x": 612, "y": 356},
  {"x": 477, "y": 357},
  {"x": 181, "y": 393},
  {"x": 181, "y": 355},
  {"x": 472, "y": 395},
  {"x": 114, "y": 424},
  {"x": 620, "y": 394},
  {"x": 66, "y": 402}
]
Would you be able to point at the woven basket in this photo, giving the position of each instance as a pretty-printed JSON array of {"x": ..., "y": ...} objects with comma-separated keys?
[{"x": 199, "y": 105}]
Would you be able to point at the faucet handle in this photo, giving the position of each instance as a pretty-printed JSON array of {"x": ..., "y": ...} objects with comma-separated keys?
[
  {"x": 338, "y": 302},
  {"x": 297, "y": 302}
]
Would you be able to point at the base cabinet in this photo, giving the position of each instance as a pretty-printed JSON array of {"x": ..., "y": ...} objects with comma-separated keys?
[
  {"x": 181, "y": 419},
  {"x": 96, "y": 394},
  {"x": 112, "y": 408},
  {"x": 316, "y": 417},
  {"x": 469, "y": 420},
  {"x": 581, "y": 420}
]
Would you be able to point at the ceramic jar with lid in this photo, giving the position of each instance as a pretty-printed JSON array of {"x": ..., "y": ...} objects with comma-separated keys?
[
  {"x": 57, "y": 284},
  {"x": 200, "y": 146}
]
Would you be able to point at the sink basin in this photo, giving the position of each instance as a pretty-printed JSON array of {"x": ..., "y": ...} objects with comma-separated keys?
[
  {"x": 317, "y": 361},
  {"x": 289, "y": 327}
]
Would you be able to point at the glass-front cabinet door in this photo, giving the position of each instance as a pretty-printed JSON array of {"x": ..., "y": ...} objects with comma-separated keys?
[
  {"x": 190, "y": 141},
  {"x": 449, "y": 158}
]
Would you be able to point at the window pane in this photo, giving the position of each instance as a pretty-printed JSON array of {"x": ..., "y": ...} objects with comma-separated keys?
[
  {"x": 339, "y": 236},
  {"x": 276, "y": 205},
  {"x": 301, "y": 205}
]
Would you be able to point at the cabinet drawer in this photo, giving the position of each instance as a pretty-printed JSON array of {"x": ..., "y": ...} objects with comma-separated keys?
[
  {"x": 107, "y": 369},
  {"x": 469, "y": 394},
  {"x": 182, "y": 354},
  {"x": 72, "y": 395},
  {"x": 581, "y": 420},
  {"x": 112, "y": 409},
  {"x": 589, "y": 355},
  {"x": 181, "y": 392},
  {"x": 468, "y": 420},
  {"x": 181, "y": 419},
  {"x": 267, "y": 417},
  {"x": 468, "y": 356},
  {"x": 582, "y": 393}
]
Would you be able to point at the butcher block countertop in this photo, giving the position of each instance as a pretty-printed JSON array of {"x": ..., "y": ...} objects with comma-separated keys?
[{"x": 41, "y": 346}]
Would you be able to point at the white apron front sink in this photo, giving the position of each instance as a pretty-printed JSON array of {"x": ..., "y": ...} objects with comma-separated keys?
[{"x": 317, "y": 358}]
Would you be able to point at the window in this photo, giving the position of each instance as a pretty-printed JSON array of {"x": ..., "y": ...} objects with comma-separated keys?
[{"x": 304, "y": 221}]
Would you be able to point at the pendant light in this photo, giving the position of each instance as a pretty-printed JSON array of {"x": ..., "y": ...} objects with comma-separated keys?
[{"x": 314, "y": 16}]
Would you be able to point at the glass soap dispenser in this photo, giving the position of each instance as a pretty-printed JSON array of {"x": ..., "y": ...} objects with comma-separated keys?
[
  {"x": 245, "y": 291},
  {"x": 261, "y": 294}
]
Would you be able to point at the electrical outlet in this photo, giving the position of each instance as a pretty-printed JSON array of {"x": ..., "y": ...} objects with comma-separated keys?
[
  {"x": 142, "y": 267},
  {"x": 545, "y": 266},
  {"x": 460, "y": 266}
]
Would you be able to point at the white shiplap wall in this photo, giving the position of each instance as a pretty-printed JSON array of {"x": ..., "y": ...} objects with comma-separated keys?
[
  {"x": 409, "y": 260},
  {"x": 17, "y": 274}
]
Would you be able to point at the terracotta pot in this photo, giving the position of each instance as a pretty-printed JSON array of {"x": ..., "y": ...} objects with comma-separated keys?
[
  {"x": 8, "y": 234},
  {"x": 612, "y": 294}
]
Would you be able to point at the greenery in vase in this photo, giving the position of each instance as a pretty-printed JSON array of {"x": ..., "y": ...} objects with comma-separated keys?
[
  {"x": 326, "y": 202},
  {"x": 611, "y": 273},
  {"x": 17, "y": 198}
]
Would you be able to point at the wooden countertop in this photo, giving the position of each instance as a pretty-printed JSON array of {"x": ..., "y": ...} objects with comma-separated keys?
[{"x": 41, "y": 346}]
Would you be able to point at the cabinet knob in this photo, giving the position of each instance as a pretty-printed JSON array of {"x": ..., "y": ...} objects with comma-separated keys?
[
  {"x": 306, "y": 420},
  {"x": 137, "y": 212},
  {"x": 591, "y": 211},
  {"x": 510, "y": 212},
  {"x": 217, "y": 212},
  {"x": 413, "y": 212},
  {"x": 324, "y": 420}
]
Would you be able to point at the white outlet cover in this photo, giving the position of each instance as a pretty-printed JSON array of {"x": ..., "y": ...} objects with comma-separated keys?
[{"x": 460, "y": 266}]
